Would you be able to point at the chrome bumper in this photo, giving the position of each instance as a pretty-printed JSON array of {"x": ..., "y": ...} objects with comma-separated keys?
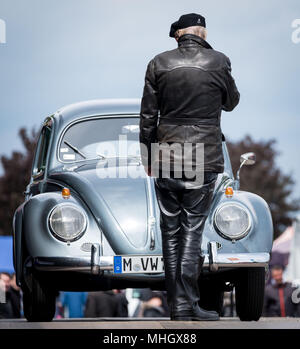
[
  {"x": 214, "y": 260},
  {"x": 96, "y": 263}
]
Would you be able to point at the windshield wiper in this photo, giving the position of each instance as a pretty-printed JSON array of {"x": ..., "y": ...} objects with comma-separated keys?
[
  {"x": 75, "y": 149},
  {"x": 131, "y": 157},
  {"x": 103, "y": 157}
]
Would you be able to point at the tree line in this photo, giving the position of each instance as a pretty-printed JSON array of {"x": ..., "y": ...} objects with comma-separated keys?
[{"x": 265, "y": 179}]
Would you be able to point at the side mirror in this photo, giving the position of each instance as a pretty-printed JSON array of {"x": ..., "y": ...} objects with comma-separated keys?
[
  {"x": 248, "y": 158},
  {"x": 245, "y": 159}
]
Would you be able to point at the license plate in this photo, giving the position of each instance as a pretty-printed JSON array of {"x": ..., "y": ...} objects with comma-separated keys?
[{"x": 138, "y": 264}]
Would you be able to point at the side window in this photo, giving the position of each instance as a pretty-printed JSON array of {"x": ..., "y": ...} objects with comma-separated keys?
[{"x": 42, "y": 151}]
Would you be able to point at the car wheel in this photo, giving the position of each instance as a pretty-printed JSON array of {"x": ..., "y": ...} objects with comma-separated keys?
[
  {"x": 249, "y": 293},
  {"x": 211, "y": 296},
  {"x": 39, "y": 302}
]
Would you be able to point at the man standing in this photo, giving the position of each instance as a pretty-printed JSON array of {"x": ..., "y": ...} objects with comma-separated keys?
[
  {"x": 15, "y": 296},
  {"x": 279, "y": 296},
  {"x": 189, "y": 86},
  {"x": 6, "y": 307},
  {"x": 104, "y": 304},
  {"x": 75, "y": 303}
]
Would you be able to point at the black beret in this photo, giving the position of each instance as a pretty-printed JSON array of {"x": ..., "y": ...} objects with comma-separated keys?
[{"x": 189, "y": 20}]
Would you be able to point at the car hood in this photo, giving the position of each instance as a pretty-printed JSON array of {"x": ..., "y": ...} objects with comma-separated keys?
[{"x": 120, "y": 205}]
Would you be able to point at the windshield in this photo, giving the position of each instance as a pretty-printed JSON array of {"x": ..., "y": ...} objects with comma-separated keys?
[
  {"x": 107, "y": 137},
  {"x": 100, "y": 138}
]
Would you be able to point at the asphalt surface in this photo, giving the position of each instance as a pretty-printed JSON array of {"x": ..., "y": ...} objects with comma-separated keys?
[{"x": 151, "y": 323}]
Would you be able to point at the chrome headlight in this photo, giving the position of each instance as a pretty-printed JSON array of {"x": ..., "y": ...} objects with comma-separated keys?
[
  {"x": 232, "y": 221},
  {"x": 67, "y": 222}
]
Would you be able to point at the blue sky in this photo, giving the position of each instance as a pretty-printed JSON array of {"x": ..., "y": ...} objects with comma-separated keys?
[{"x": 62, "y": 51}]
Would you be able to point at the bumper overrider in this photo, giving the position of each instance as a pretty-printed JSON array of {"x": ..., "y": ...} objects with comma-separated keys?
[{"x": 95, "y": 263}]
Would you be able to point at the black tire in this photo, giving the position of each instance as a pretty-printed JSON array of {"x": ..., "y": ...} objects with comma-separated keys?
[
  {"x": 249, "y": 293},
  {"x": 39, "y": 302},
  {"x": 211, "y": 296}
]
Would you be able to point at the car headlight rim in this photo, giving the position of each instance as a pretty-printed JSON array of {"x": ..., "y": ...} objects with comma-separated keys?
[
  {"x": 78, "y": 233},
  {"x": 227, "y": 236}
]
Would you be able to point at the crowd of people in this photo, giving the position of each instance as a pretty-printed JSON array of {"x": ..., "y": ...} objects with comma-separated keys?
[
  {"x": 279, "y": 301},
  {"x": 10, "y": 300},
  {"x": 112, "y": 303},
  {"x": 93, "y": 304}
]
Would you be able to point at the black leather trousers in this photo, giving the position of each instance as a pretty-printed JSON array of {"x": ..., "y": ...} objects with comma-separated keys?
[{"x": 183, "y": 214}]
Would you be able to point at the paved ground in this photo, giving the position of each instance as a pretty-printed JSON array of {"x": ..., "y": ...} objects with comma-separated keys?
[{"x": 156, "y": 323}]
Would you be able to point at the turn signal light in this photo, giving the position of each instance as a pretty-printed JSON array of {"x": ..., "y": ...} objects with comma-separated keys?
[
  {"x": 229, "y": 192},
  {"x": 66, "y": 193}
]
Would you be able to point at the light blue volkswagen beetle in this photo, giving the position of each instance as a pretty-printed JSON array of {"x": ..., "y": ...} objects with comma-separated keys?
[{"x": 89, "y": 222}]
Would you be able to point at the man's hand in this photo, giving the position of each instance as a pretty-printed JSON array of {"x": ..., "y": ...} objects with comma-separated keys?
[{"x": 148, "y": 170}]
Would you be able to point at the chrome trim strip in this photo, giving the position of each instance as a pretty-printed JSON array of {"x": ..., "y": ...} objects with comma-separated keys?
[
  {"x": 95, "y": 258},
  {"x": 151, "y": 214},
  {"x": 212, "y": 255}
]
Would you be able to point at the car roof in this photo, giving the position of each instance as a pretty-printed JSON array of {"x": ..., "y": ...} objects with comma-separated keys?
[{"x": 96, "y": 107}]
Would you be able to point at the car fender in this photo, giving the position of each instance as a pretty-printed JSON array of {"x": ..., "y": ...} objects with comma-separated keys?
[
  {"x": 17, "y": 242},
  {"x": 260, "y": 236},
  {"x": 38, "y": 238}
]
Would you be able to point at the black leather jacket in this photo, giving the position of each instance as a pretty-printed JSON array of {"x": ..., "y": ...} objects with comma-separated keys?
[{"x": 185, "y": 91}]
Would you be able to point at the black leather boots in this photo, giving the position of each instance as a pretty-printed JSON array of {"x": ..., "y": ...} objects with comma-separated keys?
[{"x": 184, "y": 207}]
